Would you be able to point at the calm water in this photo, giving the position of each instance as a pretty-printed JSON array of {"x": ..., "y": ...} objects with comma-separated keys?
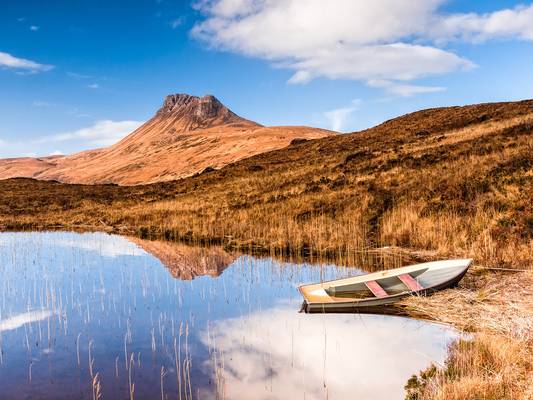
[{"x": 87, "y": 313}]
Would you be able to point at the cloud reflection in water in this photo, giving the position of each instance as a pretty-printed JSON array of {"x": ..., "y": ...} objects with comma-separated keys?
[
  {"x": 100, "y": 243},
  {"x": 20, "y": 320},
  {"x": 275, "y": 354}
]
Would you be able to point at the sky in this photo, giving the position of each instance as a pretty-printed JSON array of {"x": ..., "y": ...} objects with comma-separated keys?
[{"x": 76, "y": 75}]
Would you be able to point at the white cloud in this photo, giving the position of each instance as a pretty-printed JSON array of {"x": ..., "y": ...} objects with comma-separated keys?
[
  {"x": 502, "y": 24},
  {"x": 93, "y": 86},
  {"x": 39, "y": 103},
  {"x": 34, "y": 28},
  {"x": 56, "y": 153},
  {"x": 11, "y": 62},
  {"x": 396, "y": 61},
  {"x": 391, "y": 40},
  {"x": 101, "y": 133},
  {"x": 338, "y": 117},
  {"x": 404, "y": 90},
  {"x": 78, "y": 76},
  {"x": 75, "y": 112},
  {"x": 177, "y": 22},
  {"x": 410, "y": 90}
]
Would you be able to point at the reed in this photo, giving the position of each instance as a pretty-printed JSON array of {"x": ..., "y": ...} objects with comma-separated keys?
[
  {"x": 78, "y": 348},
  {"x": 131, "y": 384},
  {"x": 161, "y": 377},
  {"x": 96, "y": 388}
]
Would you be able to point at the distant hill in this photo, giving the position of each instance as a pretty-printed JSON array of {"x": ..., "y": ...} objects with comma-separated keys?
[
  {"x": 454, "y": 181},
  {"x": 186, "y": 136}
]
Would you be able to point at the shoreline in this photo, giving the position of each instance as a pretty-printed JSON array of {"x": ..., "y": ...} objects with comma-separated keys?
[
  {"x": 496, "y": 361},
  {"x": 482, "y": 305}
]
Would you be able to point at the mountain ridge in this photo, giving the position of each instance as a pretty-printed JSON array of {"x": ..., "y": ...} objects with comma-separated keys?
[{"x": 185, "y": 136}]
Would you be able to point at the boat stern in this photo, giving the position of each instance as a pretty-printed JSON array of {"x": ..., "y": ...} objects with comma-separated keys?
[{"x": 314, "y": 294}]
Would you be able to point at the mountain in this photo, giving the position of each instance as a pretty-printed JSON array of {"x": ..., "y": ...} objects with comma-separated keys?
[
  {"x": 187, "y": 135},
  {"x": 444, "y": 182}
]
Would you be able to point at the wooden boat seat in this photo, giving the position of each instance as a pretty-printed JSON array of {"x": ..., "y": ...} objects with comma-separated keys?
[
  {"x": 376, "y": 289},
  {"x": 410, "y": 282}
]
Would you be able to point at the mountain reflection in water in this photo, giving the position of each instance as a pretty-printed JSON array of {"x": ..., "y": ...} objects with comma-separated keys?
[
  {"x": 161, "y": 320},
  {"x": 186, "y": 262}
]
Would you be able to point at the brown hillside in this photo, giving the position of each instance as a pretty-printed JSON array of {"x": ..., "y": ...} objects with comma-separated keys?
[
  {"x": 449, "y": 181},
  {"x": 187, "y": 135}
]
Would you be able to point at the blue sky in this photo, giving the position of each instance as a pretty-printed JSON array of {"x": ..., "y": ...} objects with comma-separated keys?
[{"x": 81, "y": 74}]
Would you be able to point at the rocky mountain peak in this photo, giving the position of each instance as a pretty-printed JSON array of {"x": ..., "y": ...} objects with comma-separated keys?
[{"x": 197, "y": 112}]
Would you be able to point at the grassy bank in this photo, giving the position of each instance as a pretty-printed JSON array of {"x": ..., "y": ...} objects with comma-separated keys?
[
  {"x": 496, "y": 361},
  {"x": 451, "y": 182}
]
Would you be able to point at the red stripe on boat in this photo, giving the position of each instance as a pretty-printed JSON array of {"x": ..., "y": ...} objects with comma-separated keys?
[
  {"x": 376, "y": 289},
  {"x": 410, "y": 282}
]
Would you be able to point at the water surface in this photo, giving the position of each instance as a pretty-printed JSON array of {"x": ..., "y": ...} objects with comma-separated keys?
[{"x": 82, "y": 314}]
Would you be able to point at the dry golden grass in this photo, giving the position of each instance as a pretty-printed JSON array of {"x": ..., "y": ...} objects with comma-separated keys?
[
  {"x": 501, "y": 304},
  {"x": 496, "y": 362},
  {"x": 488, "y": 367},
  {"x": 450, "y": 182}
]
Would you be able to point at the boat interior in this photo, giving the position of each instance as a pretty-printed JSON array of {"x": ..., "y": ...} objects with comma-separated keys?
[{"x": 383, "y": 287}]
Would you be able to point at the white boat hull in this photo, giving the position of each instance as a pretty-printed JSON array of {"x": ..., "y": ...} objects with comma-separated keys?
[{"x": 422, "y": 279}]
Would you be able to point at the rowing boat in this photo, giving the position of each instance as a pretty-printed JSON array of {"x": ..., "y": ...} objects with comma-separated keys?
[{"x": 372, "y": 292}]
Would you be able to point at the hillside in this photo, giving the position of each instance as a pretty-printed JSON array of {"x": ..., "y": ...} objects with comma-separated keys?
[
  {"x": 441, "y": 182},
  {"x": 187, "y": 135}
]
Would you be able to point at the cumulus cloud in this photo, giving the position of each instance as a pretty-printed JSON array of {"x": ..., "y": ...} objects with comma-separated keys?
[
  {"x": 404, "y": 90},
  {"x": 471, "y": 27},
  {"x": 101, "y": 133},
  {"x": 386, "y": 40},
  {"x": 177, "y": 22},
  {"x": 22, "y": 64},
  {"x": 77, "y": 75},
  {"x": 397, "y": 61},
  {"x": 337, "y": 118},
  {"x": 40, "y": 103}
]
